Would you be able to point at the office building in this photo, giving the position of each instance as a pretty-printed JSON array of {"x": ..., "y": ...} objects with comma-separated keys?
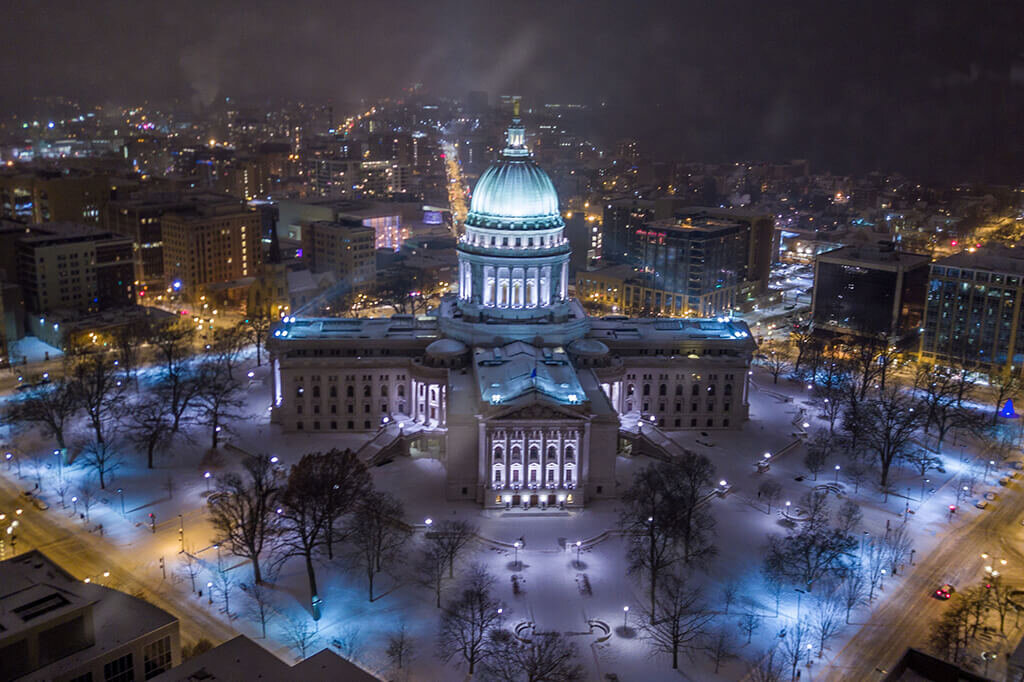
[
  {"x": 43, "y": 196},
  {"x": 64, "y": 266},
  {"x": 973, "y": 309},
  {"x": 346, "y": 249},
  {"x": 870, "y": 290},
  {"x": 211, "y": 244}
]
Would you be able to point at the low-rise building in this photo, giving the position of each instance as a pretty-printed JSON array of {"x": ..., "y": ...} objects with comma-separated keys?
[{"x": 56, "y": 628}]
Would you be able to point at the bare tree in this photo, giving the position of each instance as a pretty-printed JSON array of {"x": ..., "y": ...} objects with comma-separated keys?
[
  {"x": 1007, "y": 384},
  {"x": 224, "y": 581},
  {"x": 890, "y": 420},
  {"x": 128, "y": 339},
  {"x": 811, "y": 550},
  {"x": 189, "y": 565},
  {"x": 874, "y": 564},
  {"x": 179, "y": 389},
  {"x": 794, "y": 646},
  {"x": 652, "y": 546},
  {"x": 255, "y": 328},
  {"x": 321, "y": 488},
  {"x": 898, "y": 543},
  {"x": 376, "y": 533},
  {"x": 467, "y": 621},
  {"x": 721, "y": 646},
  {"x": 87, "y": 497},
  {"x": 818, "y": 449},
  {"x": 218, "y": 398},
  {"x": 749, "y": 623},
  {"x": 300, "y": 634},
  {"x": 777, "y": 358},
  {"x": 769, "y": 491},
  {"x": 244, "y": 513},
  {"x": 453, "y": 537},
  {"x": 103, "y": 457},
  {"x": 826, "y": 619},
  {"x": 227, "y": 348},
  {"x": 99, "y": 390},
  {"x": 149, "y": 426},
  {"x": 730, "y": 590},
  {"x": 260, "y": 604},
  {"x": 400, "y": 649},
  {"x": 50, "y": 407},
  {"x": 546, "y": 657},
  {"x": 951, "y": 633},
  {"x": 432, "y": 568},
  {"x": 922, "y": 460},
  {"x": 853, "y": 588},
  {"x": 681, "y": 619},
  {"x": 767, "y": 666},
  {"x": 62, "y": 487},
  {"x": 349, "y": 640}
]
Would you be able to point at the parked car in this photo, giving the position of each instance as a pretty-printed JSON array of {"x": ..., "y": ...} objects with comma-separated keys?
[
  {"x": 40, "y": 504},
  {"x": 945, "y": 592},
  {"x": 991, "y": 496},
  {"x": 981, "y": 504},
  {"x": 1005, "y": 480},
  {"x": 1018, "y": 465}
]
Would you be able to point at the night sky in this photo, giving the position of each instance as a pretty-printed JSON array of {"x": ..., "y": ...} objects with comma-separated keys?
[{"x": 928, "y": 88}]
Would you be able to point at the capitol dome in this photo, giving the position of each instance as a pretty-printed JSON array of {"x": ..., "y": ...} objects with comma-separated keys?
[{"x": 514, "y": 193}]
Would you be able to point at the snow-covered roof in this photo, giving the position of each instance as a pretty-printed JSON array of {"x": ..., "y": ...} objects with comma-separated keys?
[
  {"x": 327, "y": 328},
  {"x": 506, "y": 372},
  {"x": 620, "y": 328}
]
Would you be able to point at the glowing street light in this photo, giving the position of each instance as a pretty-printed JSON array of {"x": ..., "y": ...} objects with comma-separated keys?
[
  {"x": 837, "y": 473},
  {"x": 579, "y": 544},
  {"x": 625, "y": 617},
  {"x": 207, "y": 477},
  {"x": 515, "y": 561}
]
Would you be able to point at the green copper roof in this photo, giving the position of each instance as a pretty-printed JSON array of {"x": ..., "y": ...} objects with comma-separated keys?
[{"x": 514, "y": 193}]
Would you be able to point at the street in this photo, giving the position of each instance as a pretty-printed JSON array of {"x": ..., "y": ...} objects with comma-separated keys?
[
  {"x": 905, "y": 619},
  {"x": 86, "y": 555}
]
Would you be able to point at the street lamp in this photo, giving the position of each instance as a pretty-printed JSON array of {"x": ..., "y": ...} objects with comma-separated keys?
[
  {"x": 625, "y": 617},
  {"x": 578, "y": 545},
  {"x": 837, "y": 473},
  {"x": 181, "y": 532},
  {"x": 209, "y": 591},
  {"x": 428, "y": 522},
  {"x": 516, "y": 545},
  {"x": 74, "y": 500},
  {"x": 120, "y": 491},
  {"x": 207, "y": 477}
]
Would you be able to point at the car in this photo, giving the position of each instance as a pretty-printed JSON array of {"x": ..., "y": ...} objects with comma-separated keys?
[
  {"x": 981, "y": 504},
  {"x": 40, "y": 504},
  {"x": 1013, "y": 474},
  {"x": 1005, "y": 480},
  {"x": 1018, "y": 465},
  {"x": 991, "y": 496},
  {"x": 945, "y": 592}
]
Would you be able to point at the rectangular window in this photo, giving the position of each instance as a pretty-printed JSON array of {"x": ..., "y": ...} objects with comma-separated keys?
[
  {"x": 119, "y": 670},
  {"x": 156, "y": 657}
]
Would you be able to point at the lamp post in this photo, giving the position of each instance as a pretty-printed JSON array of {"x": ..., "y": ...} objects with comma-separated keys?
[
  {"x": 515, "y": 562},
  {"x": 181, "y": 533},
  {"x": 799, "y": 594},
  {"x": 923, "y": 484},
  {"x": 837, "y": 473},
  {"x": 428, "y": 522},
  {"x": 74, "y": 501},
  {"x": 625, "y": 617},
  {"x": 120, "y": 491},
  {"x": 578, "y": 546},
  {"x": 209, "y": 591},
  {"x": 207, "y": 477}
]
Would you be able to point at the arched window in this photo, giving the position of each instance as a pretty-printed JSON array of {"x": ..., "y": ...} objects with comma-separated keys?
[
  {"x": 696, "y": 389},
  {"x": 647, "y": 389},
  {"x": 552, "y": 452},
  {"x": 570, "y": 452},
  {"x": 663, "y": 390},
  {"x": 534, "y": 453},
  {"x": 499, "y": 454},
  {"x": 629, "y": 390},
  {"x": 401, "y": 390},
  {"x": 384, "y": 391},
  {"x": 349, "y": 391},
  {"x": 366, "y": 391},
  {"x": 516, "y": 453},
  {"x": 728, "y": 389},
  {"x": 334, "y": 392},
  {"x": 679, "y": 389},
  {"x": 316, "y": 391},
  {"x": 711, "y": 389}
]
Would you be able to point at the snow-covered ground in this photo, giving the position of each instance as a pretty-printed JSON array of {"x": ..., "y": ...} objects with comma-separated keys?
[{"x": 550, "y": 592}]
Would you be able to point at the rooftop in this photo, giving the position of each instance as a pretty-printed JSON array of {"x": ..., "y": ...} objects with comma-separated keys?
[
  {"x": 243, "y": 659},
  {"x": 507, "y": 372},
  {"x": 394, "y": 327},
  {"x": 995, "y": 258},
  {"x": 34, "y": 590},
  {"x": 612, "y": 328},
  {"x": 880, "y": 255}
]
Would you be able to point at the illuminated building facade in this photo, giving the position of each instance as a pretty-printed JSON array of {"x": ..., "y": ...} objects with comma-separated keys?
[{"x": 525, "y": 395}]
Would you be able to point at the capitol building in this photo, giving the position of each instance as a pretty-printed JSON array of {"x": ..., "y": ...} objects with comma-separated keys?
[{"x": 523, "y": 396}]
